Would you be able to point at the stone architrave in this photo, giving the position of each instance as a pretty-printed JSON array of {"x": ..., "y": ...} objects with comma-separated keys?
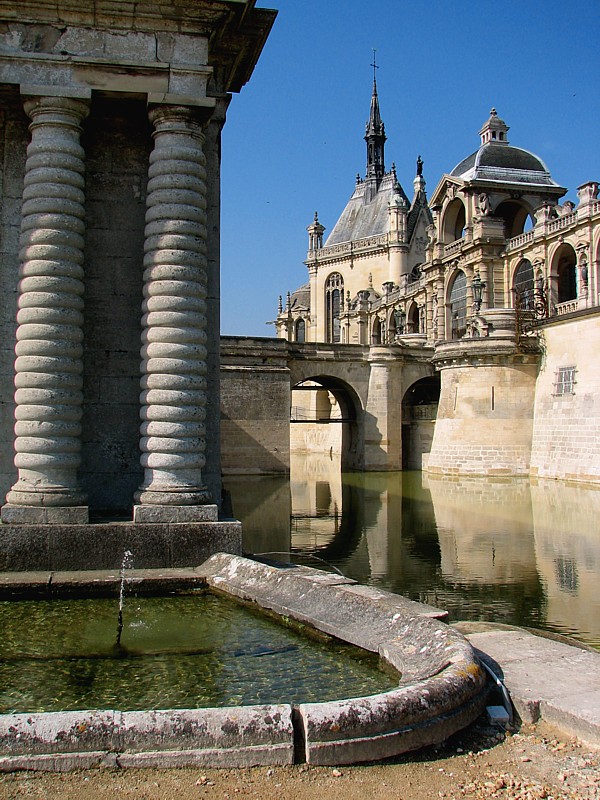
[
  {"x": 49, "y": 349},
  {"x": 174, "y": 355}
]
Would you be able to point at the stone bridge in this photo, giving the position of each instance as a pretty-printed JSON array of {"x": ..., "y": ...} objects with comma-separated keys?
[{"x": 263, "y": 379}]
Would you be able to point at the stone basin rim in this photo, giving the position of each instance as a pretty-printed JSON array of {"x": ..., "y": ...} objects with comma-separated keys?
[{"x": 441, "y": 690}]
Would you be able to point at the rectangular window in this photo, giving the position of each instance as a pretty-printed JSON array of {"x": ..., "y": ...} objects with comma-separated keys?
[{"x": 564, "y": 380}]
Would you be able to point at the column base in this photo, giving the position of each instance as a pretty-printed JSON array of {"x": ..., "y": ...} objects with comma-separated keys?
[
  {"x": 44, "y": 515},
  {"x": 158, "y": 513}
]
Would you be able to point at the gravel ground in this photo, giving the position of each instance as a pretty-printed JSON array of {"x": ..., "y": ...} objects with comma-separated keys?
[{"x": 530, "y": 764}]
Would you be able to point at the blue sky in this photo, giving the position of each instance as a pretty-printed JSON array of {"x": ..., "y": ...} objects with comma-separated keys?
[{"x": 293, "y": 141}]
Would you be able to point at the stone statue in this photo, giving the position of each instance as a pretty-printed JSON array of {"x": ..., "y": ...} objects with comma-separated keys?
[
  {"x": 485, "y": 208},
  {"x": 419, "y": 166}
]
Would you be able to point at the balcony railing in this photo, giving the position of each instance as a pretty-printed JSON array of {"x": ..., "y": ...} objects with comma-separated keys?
[
  {"x": 568, "y": 307},
  {"x": 519, "y": 241},
  {"x": 453, "y": 247}
]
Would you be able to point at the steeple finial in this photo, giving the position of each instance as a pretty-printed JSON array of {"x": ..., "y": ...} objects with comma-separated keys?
[
  {"x": 374, "y": 65},
  {"x": 375, "y": 137}
]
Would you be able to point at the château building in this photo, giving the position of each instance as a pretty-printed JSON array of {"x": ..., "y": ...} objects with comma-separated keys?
[{"x": 494, "y": 280}]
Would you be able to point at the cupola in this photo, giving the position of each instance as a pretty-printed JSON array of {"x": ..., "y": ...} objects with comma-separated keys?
[{"x": 495, "y": 130}]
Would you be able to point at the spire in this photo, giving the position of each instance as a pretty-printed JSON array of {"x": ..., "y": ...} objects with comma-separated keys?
[{"x": 375, "y": 137}]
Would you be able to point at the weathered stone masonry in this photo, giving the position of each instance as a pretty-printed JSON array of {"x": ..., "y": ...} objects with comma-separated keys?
[{"x": 109, "y": 226}]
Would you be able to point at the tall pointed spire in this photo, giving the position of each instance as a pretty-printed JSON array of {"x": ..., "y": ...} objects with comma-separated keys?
[{"x": 375, "y": 137}]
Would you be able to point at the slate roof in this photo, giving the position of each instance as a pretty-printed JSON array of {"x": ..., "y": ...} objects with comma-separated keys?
[
  {"x": 503, "y": 163},
  {"x": 361, "y": 218}
]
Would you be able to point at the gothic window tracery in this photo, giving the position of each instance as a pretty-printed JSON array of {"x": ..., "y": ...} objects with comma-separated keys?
[{"x": 334, "y": 292}]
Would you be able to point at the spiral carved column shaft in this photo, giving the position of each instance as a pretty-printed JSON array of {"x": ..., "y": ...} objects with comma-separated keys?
[
  {"x": 173, "y": 383},
  {"x": 49, "y": 346}
]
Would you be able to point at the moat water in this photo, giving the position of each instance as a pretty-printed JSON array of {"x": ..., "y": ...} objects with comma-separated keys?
[{"x": 507, "y": 550}]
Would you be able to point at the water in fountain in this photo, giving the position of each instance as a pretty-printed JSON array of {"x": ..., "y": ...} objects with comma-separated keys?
[{"x": 126, "y": 564}]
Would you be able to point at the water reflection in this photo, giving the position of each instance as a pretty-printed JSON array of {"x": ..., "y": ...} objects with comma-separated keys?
[{"x": 497, "y": 549}]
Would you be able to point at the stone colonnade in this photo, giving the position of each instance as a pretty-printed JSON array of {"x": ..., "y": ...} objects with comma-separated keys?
[{"x": 49, "y": 350}]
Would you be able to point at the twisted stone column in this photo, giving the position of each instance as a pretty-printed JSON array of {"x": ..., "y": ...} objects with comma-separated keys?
[
  {"x": 49, "y": 346},
  {"x": 174, "y": 354}
]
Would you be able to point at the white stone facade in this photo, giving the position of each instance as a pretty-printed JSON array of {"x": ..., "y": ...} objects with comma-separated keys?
[{"x": 499, "y": 281}]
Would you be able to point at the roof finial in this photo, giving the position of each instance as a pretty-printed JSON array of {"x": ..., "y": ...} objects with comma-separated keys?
[{"x": 374, "y": 65}]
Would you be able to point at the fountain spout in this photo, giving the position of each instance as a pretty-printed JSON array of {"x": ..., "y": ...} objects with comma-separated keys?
[{"x": 126, "y": 564}]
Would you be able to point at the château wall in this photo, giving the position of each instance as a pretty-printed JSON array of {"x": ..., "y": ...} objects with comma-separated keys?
[
  {"x": 566, "y": 430},
  {"x": 255, "y": 406},
  {"x": 485, "y": 417}
]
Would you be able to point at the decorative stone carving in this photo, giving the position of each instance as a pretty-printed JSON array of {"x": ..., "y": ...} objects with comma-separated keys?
[
  {"x": 49, "y": 346},
  {"x": 174, "y": 354}
]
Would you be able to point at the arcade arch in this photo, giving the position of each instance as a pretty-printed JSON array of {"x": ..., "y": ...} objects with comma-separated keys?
[
  {"x": 516, "y": 216},
  {"x": 563, "y": 274},
  {"x": 419, "y": 412},
  {"x": 453, "y": 221},
  {"x": 326, "y": 419}
]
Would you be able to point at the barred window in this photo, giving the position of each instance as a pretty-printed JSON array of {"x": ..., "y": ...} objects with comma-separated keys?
[{"x": 564, "y": 380}]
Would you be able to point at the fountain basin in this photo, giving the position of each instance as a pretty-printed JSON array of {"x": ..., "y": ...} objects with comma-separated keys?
[{"x": 441, "y": 689}]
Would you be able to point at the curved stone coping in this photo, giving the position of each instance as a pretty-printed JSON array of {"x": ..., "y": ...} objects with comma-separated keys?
[
  {"x": 441, "y": 689},
  {"x": 231, "y": 737},
  {"x": 442, "y": 685}
]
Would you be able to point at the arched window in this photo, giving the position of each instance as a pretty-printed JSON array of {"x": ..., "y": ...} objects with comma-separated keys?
[
  {"x": 458, "y": 305},
  {"x": 300, "y": 331},
  {"x": 414, "y": 323},
  {"x": 523, "y": 285},
  {"x": 334, "y": 289},
  {"x": 567, "y": 275},
  {"x": 377, "y": 333}
]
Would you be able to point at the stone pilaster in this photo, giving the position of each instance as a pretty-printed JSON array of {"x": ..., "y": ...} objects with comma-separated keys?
[
  {"x": 174, "y": 353},
  {"x": 49, "y": 347}
]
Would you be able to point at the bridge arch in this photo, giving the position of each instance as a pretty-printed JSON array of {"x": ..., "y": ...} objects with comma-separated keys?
[
  {"x": 327, "y": 417},
  {"x": 419, "y": 412}
]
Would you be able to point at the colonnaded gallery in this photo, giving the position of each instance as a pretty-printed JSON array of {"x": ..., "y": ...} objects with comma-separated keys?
[{"x": 490, "y": 287}]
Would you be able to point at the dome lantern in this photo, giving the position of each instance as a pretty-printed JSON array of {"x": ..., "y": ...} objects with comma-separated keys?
[{"x": 494, "y": 130}]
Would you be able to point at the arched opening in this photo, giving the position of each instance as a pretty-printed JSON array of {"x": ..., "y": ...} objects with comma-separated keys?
[
  {"x": 524, "y": 285},
  {"x": 453, "y": 225},
  {"x": 300, "y": 331},
  {"x": 413, "y": 320},
  {"x": 515, "y": 216},
  {"x": 419, "y": 412},
  {"x": 324, "y": 423},
  {"x": 334, "y": 291},
  {"x": 458, "y": 305},
  {"x": 564, "y": 273},
  {"x": 377, "y": 335}
]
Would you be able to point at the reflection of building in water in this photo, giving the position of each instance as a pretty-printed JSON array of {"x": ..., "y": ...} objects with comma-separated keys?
[
  {"x": 567, "y": 548},
  {"x": 263, "y": 505},
  {"x": 484, "y": 529}
]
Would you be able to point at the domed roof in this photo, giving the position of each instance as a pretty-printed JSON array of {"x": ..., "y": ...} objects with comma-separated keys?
[
  {"x": 503, "y": 162},
  {"x": 497, "y": 160}
]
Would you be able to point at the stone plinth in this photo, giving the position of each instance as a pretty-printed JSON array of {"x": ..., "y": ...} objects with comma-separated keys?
[{"x": 100, "y": 546}]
